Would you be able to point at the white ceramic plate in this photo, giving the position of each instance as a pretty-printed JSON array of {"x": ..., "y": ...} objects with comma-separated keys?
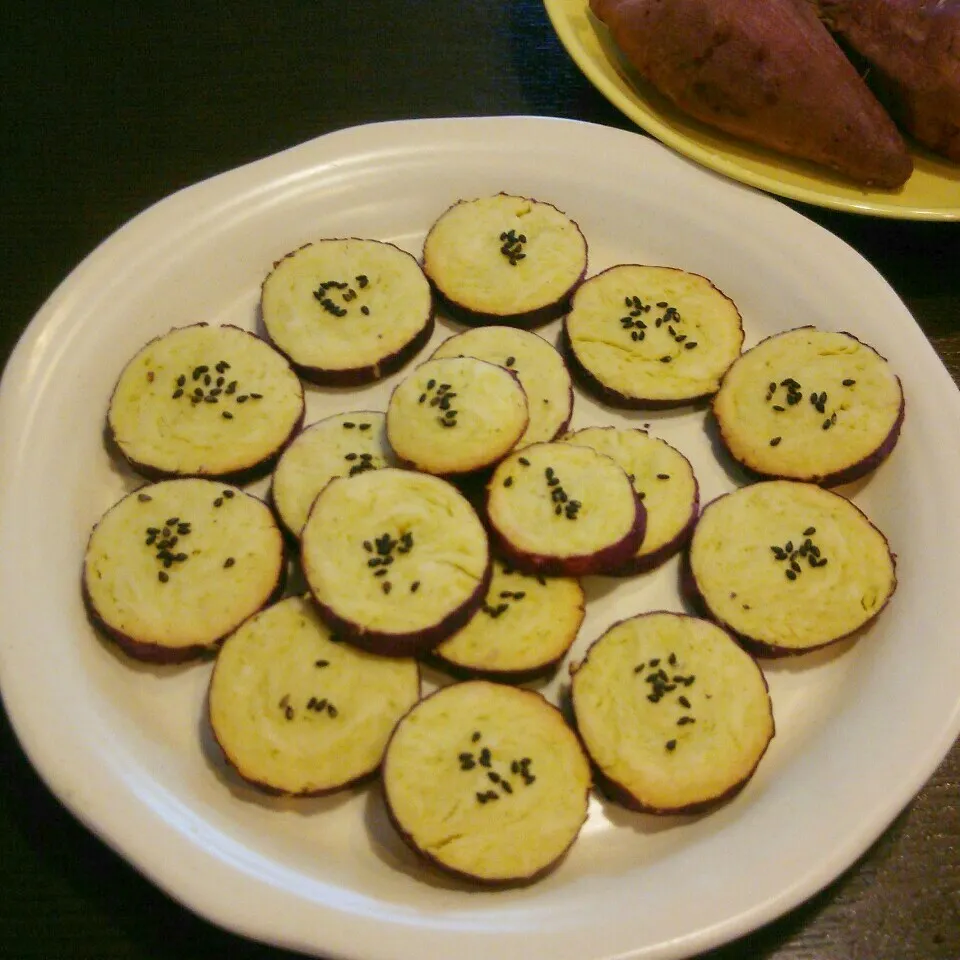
[{"x": 125, "y": 747}]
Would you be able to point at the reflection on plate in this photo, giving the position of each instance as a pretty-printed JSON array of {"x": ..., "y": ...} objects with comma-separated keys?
[
  {"x": 859, "y": 728},
  {"x": 932, "y": 193}
]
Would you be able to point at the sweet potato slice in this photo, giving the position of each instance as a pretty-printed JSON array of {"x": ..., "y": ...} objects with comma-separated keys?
[
  {"x": 487, "y": 782},
  {"x": 674, "y": 714},
  {"x": 764, "y": 70}
]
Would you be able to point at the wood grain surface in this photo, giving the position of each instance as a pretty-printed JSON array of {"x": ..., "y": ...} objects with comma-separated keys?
[{"x": 107, "y": 108}]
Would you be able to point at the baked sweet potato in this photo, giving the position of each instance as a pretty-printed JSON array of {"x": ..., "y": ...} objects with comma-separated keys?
[
  {"x": 764, "y": 70},
  {"x": 913, "y": 50}
]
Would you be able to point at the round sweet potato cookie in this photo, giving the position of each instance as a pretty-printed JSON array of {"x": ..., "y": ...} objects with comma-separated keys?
[
  {"x": 810, "y": 405},
  {"x": 673, "y": 713},
  {"x": 296, "y": 712},
  {"x": 789, "y": 566},
  {"x": 456, "y": 415},
  {"x": 564, "y": 510},
  {"x": 523, "y": 629},
  {"x": 538, "y": 366},
  {"x": 664, "y": 481},
  {"x": 396, "y": 560},
  {"x": 347, "y": 311},
  {"x": 339, "y": 446},
  {"x": 646, "y": 337},
  {"x": 174, "y": 567},
  {"x": 505, "y": 260},
  {"x": 487, "y": 781},
  {"x": 205, "y": 401}
]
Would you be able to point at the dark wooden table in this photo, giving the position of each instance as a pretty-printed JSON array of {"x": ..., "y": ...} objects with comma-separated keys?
[{"x": 108, "y": 108}]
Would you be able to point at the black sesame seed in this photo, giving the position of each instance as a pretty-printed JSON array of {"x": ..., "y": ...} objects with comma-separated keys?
[
  {"x": 229, "y": 562},
  {"x": 774, "y": 441},
  {"x": 671, "y": 745},
  {"x": 163, "y": 577},
  {"x": 144, "y": 498},
  {"x": 848, "y": 382},
  {"x": 523, "y": 461}
]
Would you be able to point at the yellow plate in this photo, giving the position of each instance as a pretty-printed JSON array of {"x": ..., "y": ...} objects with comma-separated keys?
[{"x": 931, "y": 193}]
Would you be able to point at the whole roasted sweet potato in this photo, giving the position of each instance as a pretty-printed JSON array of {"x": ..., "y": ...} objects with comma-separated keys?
[
  {"x": 913, "y": 48},
  {"x": 764, "y": 70}
]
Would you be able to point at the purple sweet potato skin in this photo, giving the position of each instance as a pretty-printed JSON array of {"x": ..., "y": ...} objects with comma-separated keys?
[
  {"x": 764, "y": 70},
  {"x": 913, "y": 49}
]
